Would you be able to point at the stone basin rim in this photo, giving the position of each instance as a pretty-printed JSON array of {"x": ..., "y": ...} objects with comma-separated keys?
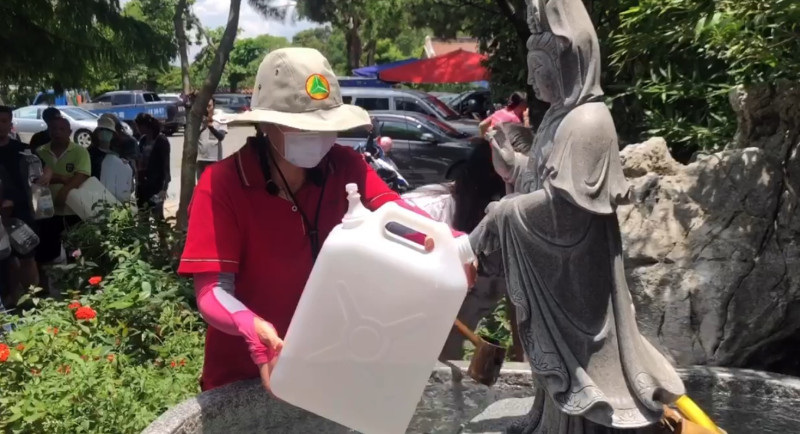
[{"x": 173, "y": 419}]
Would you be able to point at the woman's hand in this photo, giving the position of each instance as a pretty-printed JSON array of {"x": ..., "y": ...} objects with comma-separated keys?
[
  {"x": 269, "y": 337},
  {"x": 265, "y": 371}
]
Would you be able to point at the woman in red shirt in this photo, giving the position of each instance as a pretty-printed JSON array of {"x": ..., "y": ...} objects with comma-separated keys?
[{"x": 258, "y": 218}]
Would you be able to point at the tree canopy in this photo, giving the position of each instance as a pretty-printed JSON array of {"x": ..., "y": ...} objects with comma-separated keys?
[
  {"x": 62, "y": 42},
  {"x": 370, "y": 28},
  {"x": 668, "y": 65}
]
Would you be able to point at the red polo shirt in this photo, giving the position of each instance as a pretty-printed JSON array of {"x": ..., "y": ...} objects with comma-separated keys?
[{"x": 236, "y": 226}]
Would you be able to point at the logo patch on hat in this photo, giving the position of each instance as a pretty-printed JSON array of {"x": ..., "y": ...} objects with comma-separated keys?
[{"x": 317, "y": 87}]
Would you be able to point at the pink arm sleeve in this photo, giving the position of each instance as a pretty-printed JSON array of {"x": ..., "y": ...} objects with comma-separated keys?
[{"x": 225, "y": 313}]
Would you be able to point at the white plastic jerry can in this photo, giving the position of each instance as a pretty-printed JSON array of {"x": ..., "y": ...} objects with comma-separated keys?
[{"x": 372, "y": 320}]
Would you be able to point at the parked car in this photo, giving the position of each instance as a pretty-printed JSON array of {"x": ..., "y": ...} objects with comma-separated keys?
[
  {"x": 379, "y": 99},
  {"x": 28, "y": 121},
  {"x": 126, "y": 104},
  {"x": 182, "y": 107},
  {"x": 473, "y": 102},
  {"x": 425, "y": 149},
  {"x": 232, "y": 102},
  {"x": 444, "y": 97},
  {"x": 170, "y": 97}
]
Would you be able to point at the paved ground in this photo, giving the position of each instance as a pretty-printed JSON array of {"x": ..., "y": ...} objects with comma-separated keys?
[{"x": 235, "y": 139}]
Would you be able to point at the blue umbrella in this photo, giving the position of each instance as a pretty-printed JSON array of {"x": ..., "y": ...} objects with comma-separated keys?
[{"x": 372, "y": 71}]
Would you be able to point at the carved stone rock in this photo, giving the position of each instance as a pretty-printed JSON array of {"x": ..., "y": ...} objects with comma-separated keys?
[{"x": 711, "y": 249}]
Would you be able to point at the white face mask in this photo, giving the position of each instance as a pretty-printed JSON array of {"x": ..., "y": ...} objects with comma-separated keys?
[{"x": 307, "y": 148}]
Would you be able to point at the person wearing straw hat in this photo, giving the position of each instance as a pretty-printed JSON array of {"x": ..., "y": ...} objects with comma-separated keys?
[{"x": 259, "y": 217}]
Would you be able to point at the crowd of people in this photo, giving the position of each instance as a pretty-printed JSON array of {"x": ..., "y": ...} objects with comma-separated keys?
[{"x": 53, "y": 162}]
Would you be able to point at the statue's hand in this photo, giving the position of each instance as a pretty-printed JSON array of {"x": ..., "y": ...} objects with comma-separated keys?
[
  {"x": 484, "y": 238},
  {"x": 502, "y": 153}
]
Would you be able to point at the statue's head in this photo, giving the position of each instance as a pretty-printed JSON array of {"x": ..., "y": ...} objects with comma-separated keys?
[
  {"x": 563, "y": 52},
  {"x": 544, "y": 68}
]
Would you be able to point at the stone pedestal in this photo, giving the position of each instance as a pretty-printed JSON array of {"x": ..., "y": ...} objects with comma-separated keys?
[{"x": 741, "y": 401}]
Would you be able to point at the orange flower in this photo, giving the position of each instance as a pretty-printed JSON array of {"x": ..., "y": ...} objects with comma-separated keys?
[
  {"x": 20, "y": 347},
  {"x": 64, "y": 369},
  {"x": 172, "y": 363},
  {"x": 4, "y": 352},
  {"x": 183, "y": 362},
  {"x": 35, "y": 371},
  {"x": 110, "y": 357},
  {"x": 95, "y": 280},
  {"x": 53, "y": 330},
  {"x": 74, "y": 305},
  {"x": 85, "y": 313}
]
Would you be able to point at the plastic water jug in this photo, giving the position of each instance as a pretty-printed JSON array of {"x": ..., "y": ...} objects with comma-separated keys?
[
  {"x": 117, "y": 177},
  {"x": 42, "y": 200},
  {"x": 23, "y": 239},
  {"x": 372, "y": 320},
  {"x": 83, "y": 200},
  {"x": 5, "y": 244},
  {"x": 31, "y": 165}
]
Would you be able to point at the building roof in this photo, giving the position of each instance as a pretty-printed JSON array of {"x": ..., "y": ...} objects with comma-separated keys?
[{"x": 437, "y": 47}]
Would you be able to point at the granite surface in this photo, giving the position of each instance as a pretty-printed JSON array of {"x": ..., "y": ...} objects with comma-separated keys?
[{"x": 739, "y": 400}]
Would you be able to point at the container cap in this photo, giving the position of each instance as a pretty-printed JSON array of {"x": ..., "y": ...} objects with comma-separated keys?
[{"x": 356, "y": 212}]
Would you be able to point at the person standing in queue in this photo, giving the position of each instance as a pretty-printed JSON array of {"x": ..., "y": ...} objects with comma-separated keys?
[
  {"x": 71, "y": 167},
  {"x": 209, "y": 145},
  {"x": 152, "y": 171},
  {"x": 259, "y": 217},
  {"x": 43, "y": 137}
]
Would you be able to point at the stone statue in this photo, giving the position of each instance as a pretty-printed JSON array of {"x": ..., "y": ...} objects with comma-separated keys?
[{"x": 561, "y": 250}]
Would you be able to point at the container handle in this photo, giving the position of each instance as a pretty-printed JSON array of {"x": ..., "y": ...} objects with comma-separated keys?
[{"x": 394, "y": 213}]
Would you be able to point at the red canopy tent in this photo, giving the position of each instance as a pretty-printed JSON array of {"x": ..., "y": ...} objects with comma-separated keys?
[{"x": 458, "y": 66}]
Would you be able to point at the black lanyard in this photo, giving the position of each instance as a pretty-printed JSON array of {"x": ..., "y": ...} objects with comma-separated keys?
[{"x": 311, "y": 230}]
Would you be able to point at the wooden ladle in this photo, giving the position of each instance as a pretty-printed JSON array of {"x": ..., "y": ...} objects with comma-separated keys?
[{"x": 488, "y": 357}]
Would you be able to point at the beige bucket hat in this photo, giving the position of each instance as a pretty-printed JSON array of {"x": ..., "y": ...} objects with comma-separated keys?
[
  {"x": 107, "y": 122},
  {"x": 296, "y": 87}
]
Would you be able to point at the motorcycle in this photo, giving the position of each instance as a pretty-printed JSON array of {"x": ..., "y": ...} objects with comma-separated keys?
[{"x": 375, "y": 153}]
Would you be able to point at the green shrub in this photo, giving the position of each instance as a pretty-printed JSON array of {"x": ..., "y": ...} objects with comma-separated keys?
[
  {"x": 124, "y": 345},
  {"x": 674, "y": 61}
]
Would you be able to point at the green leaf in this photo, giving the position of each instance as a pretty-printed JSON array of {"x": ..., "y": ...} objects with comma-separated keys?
[
  {"x": 146, "y": 291},
  {"x": 118, "y": 305},
  {"x": 72, "y": 356}
]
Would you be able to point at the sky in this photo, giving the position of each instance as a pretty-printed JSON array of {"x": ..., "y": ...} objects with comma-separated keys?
[{"x": 214, "y": 13}]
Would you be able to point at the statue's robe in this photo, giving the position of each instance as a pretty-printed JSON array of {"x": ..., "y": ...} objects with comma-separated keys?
[{"x": 561, "y": 251}]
